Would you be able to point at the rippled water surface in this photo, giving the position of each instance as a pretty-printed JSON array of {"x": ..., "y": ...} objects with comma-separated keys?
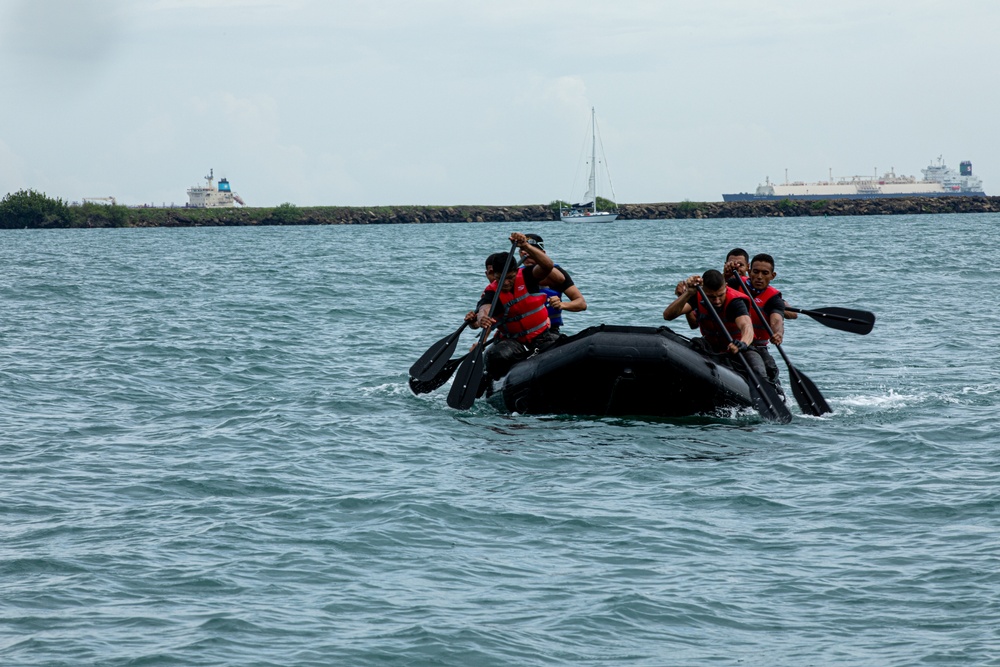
[{"x": 210, "y": 456}]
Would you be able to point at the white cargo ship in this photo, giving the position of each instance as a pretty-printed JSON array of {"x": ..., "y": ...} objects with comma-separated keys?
[
  {"x": 938, "y": 181},
  {"x": 212, "y": 196}
]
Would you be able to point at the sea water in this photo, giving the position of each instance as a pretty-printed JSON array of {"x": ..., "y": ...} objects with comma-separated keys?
[{"x": 210, "y": 456}]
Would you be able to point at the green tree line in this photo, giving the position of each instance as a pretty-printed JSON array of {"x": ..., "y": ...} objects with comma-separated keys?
[{"x": 29, "y": 209}]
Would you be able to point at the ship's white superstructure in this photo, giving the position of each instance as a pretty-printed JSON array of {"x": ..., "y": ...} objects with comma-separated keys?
[{"x": 212, "y": 196}]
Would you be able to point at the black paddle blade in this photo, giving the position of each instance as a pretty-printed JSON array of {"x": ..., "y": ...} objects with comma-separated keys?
[
  {"x": 765, "y": 397},
  {"x": 437, "y": 355},
  {"x": 768, "y": 404},
  {"x": 845, "y": 319},
  {"x": 467, "y": 380},
  {"x": 427, "y": 386},
  {"x": 807, "y": 395}
]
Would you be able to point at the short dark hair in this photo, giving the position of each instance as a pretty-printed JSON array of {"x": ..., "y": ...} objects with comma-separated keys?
[
  {"x": 763, "y": 257},
  {"x": 740, "y": 252},
  {"x": 713, "y": 279},
  {"x": 497, "y": 260}
]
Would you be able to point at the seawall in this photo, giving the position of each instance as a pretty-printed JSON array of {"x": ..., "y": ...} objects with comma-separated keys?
[
  {"x": 93, "y": 215},
  {"x": 382, "y": 215}
]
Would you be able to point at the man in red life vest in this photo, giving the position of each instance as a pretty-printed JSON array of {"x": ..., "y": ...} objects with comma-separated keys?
[
  {"x": 521, "y": 315},
  {"x": 769, "y": 300},
  {"x": 733, "y": 308}
]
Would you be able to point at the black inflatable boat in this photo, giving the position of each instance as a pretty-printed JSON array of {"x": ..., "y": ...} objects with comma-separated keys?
[{"x": 618, "y": 371}]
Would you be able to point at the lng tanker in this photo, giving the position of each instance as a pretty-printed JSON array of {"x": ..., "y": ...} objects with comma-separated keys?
[{"x": 938, "y": 181}]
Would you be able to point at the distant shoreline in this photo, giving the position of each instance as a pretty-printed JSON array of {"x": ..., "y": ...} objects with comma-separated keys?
[{"x": 98, "y": 216}]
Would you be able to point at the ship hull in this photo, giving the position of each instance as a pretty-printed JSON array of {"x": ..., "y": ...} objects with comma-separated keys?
[
  {"x": 589, "y": 217},
  {"x": 749, "y": 196}
]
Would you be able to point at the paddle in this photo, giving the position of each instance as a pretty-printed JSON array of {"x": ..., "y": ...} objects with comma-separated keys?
[
  {"x": 436, "y": 356},
  {"x": 765, "y": 399},
  {"x": 807, "y": 395},
  {"x": 465, "y": 388},
  {"x": 430, "y": 384},
  {"x": 426, "y": 386},
  {"x": 845, "y": 319}
]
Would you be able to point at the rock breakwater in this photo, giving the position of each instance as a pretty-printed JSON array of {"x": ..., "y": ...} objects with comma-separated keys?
[{"x": 288, "y": 214}]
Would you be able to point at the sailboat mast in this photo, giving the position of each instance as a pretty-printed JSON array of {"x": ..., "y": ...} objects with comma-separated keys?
[{"x": 593, "y": 155}]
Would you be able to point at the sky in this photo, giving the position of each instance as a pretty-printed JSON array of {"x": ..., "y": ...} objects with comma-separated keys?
[{"x": 449, "y": 102}]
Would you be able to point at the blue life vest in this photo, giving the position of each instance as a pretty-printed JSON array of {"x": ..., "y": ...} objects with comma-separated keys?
[{"x": 555, "y": 314}]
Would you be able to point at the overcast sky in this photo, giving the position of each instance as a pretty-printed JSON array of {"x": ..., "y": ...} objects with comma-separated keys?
[{"x": 378, "y": 102}]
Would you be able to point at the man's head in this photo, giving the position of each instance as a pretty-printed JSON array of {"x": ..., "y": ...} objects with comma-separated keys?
[
  {"x": 740, "y": 258},
  {"x": 762, "y": 271},
  {"x": 715, "y": 287},
  {"x": 535, "y": 240},
  {"x": 497, "y": 260}
]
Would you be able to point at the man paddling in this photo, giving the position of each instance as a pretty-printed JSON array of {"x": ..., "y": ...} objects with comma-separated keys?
[
  {"x": 737, "y": 268},
  {"x": 733, "y": 308},
  {"x": 555, "y": 291},
  {"x": 521, "y": 314},
  {"x": 771, "y": 304}
]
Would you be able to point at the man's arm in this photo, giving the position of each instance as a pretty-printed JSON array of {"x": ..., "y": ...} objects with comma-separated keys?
[
  {"x": 746, "y": 329},
  {"x": 738, "y": 311},
  {"x": 774, "y": 311},
  {"x": 543, "y": 263},
  {"x": 777, "y": 323},
  {"x": 682, "y": 304},
  {"x": 483, "y": 314},
  {"x": 576, "y": 303}
]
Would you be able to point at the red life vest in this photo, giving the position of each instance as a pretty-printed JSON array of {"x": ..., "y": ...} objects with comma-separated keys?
[
  {"x": 710, "y": 330},
  {"x": 760, "y": 335},
  {"x": 525, "y": 315}
]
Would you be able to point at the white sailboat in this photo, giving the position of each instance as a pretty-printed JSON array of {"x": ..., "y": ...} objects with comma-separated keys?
[{"x": 587, "y": 211}]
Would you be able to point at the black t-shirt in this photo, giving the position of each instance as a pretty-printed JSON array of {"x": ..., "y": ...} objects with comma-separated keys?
[
  {"x": 736, "y": 308},
  {"x": 566, "y": 284}
]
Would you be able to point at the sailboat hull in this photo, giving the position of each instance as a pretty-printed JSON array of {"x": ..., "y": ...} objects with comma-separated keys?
[{"x": 588, "y": 216}]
